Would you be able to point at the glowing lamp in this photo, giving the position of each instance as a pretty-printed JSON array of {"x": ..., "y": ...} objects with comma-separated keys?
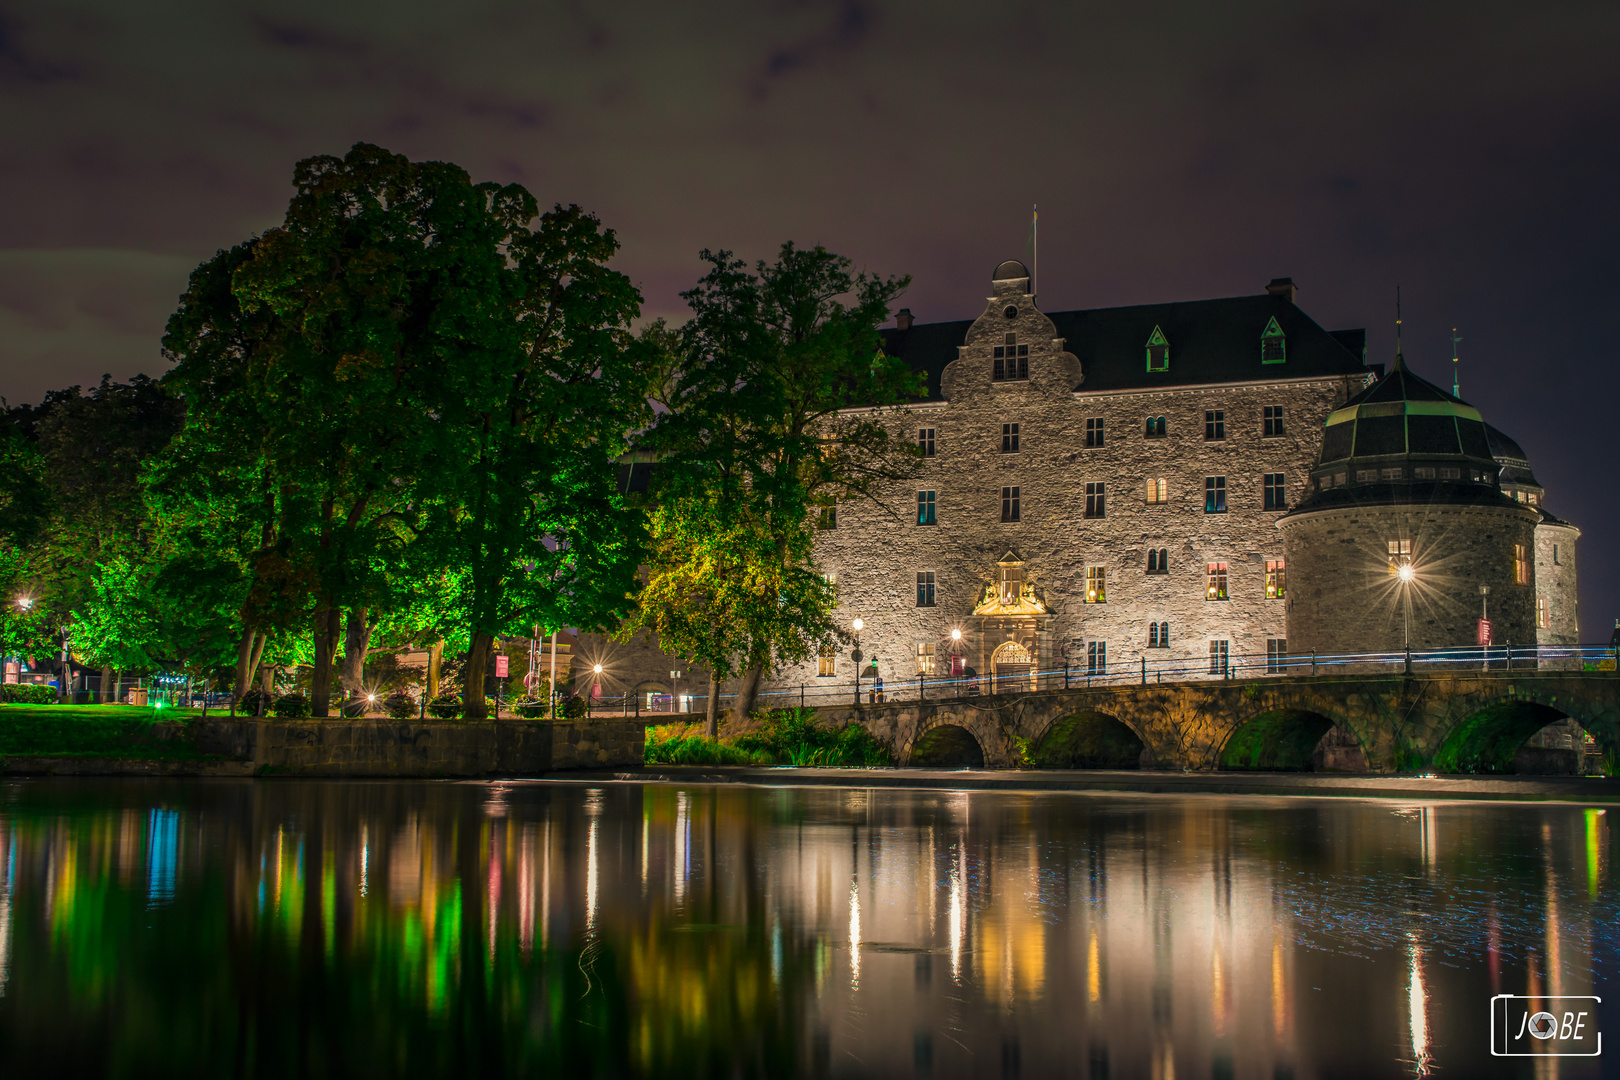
[
  {"x": 597, "y": 669},
  {"x": 1406, "y": 573},
  {"x": 371, "y": 697},
  {"x": 956, "y": 635},
  {"x": 858, "y": 625}
]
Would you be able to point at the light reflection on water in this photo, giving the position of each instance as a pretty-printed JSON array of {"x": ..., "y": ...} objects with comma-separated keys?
[{"x": 385, "y": 928}]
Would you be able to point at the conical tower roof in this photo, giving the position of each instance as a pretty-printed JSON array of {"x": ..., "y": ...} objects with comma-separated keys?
[{"x": 1404, "y": 439}]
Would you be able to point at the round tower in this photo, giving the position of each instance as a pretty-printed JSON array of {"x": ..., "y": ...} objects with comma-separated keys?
[{"x": 1405, "y": 536}]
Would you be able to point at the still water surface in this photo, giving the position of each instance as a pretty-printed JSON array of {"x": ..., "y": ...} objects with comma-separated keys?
[{"x": 353, "y": 929}]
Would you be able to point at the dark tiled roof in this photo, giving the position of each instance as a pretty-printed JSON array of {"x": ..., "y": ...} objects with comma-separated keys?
[
  {"x": 1211, "y": 341},
  {"x": 1514, "y": 461},
  {"x": 1402, "y": 413},
  {"x": 1423, "y": 493}
]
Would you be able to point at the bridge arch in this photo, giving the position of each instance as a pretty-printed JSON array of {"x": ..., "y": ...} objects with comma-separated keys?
[
  {"x": 946, "y": 746},
  {"x": 1490, "y": 739},
  {"x": 1293, "y": 740},
  {"x": 1088, "y": 739}
]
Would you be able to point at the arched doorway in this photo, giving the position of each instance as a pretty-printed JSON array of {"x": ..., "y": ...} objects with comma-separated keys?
[
  {"x": 1518, "y": 737},
  {"x": 1012, "y": 669},
  {"x": 946, "y": 747},
  {"x": 1292, "y": 740},
  {"x": 1088, "y": 740}
]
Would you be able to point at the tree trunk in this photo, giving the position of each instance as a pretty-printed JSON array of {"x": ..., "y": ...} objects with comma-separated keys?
[
  {"x": 244, "y": 663},
  {"x": 711, "y": 719},
  {"x": 327, "y": 626},
  {"x": 118, "y": 686},
  {"x": 356, "y": 640},
  {"x": 747, "y": 694},
  {"x": 472, "y": 691},
  {"x": 267, "y": 679},
  {"x": 435, "y": 658},
  {"x": 106, "y": 678}
]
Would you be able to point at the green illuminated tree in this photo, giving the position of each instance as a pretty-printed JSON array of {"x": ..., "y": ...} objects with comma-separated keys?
[{"x": 755, "y": 447}]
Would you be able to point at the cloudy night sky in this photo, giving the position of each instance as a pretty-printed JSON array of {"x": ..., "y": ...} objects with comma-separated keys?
[{"x": 1467, "y": 152}]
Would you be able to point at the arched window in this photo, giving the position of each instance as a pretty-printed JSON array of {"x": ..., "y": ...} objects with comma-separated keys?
[
  {"x": 1158, "y": 351},
  {"x": 1273, "y": 343}
]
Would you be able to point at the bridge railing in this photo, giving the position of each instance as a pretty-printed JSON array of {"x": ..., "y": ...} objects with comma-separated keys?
[{"x": 1501, "y": 659}]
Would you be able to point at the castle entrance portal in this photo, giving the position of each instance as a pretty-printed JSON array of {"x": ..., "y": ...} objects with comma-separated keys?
[{"x": 1012, "y": 668}]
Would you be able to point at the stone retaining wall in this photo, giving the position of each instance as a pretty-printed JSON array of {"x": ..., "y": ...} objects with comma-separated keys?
[{"x": 422, "y": 748}]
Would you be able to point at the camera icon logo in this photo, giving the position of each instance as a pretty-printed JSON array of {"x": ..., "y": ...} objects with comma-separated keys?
[{"x": 1545, "y": 1026}]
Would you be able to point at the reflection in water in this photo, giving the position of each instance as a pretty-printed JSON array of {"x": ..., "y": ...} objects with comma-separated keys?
[{"x": 459, "y": 929}]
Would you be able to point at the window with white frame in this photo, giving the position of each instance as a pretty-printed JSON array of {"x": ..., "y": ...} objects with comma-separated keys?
[{"x": 1096, "y": 584}]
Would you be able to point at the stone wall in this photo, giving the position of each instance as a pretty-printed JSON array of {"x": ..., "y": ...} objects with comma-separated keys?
[
  {"x": 878, "y": 548},
  {"x": 1343, "y": 599},
  {"x": 426, "y": 748},
  {"x": 1555, "y": 582}
]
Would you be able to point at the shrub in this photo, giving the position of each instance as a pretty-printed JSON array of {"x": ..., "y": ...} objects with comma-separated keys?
[
  {"x": 249, "y": 705},
  {"x": 352, "y": 708},
  {"x": 669, "y": 744},
  {"x": 27, "y": 694},
  {"x": 792, "y": 737},
  {"x": 574, "y": 708},
  {"x": 291, "y": 705},
  {"x": 445, "y": 706},
  {"x": 531, "y": 708},
  {"x": 400, "y": 706}
]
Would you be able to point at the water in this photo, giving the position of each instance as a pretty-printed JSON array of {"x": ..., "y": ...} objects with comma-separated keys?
[{"x": 353, "y": 929}]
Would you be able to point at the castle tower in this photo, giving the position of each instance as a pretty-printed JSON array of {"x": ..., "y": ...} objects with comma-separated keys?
[{"x": 1406, "y": 534}]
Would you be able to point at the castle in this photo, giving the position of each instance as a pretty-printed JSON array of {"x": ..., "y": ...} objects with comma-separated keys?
[{"x": 1169, "y": 488}]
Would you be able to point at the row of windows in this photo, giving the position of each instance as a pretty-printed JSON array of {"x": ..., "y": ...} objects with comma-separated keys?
[
  {"x": 1010, "y": 360},
  {"x": 1096, "y": 494},
  {"x": 1220, "y": 653},
  {"x": 1155, "y": 427},
  {"x": 1398, "y": 473},
  {"x": 1158, "y": 563}
]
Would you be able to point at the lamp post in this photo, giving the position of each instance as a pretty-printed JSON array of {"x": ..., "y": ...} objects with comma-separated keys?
[
  {"x": 1406, "y": 573},
  {"x": 1484, "y": 626},
  {"x": 855, "y": 654}
]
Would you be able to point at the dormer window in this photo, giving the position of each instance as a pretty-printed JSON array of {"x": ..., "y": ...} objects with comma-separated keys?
[
  {"x": 1273, "y": 344},
  {"x": 1158, "y": 351},
  {"x": 1011, "y": 361}
]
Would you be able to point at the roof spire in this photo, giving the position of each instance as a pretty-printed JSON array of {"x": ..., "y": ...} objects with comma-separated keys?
[
  {"x": 1455, "y": 392},
  {"x": 1400, "y": 358}
]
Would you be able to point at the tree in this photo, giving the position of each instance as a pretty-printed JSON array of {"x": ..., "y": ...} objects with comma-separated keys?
[{"x": 755, "y": 446}]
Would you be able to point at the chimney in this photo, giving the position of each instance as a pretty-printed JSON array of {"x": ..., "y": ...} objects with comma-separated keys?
[
  {"x": 902, "y": 319},
  {"x": 1283, "y": 287}
]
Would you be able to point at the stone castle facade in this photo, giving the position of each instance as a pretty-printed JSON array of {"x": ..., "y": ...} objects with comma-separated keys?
[{"x": 1102, "y": 490}]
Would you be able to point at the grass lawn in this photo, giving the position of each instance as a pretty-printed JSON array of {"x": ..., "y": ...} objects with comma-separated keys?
[{"x": 90, "y": 731}]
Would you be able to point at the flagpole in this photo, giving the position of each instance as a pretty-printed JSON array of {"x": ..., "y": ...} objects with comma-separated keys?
[{"x": 1035, "y": 242}]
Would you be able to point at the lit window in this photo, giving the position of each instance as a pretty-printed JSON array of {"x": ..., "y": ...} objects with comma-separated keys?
[
  {"x": 1214, "y": 424},
  {"x": 1009, "y": 504},
  {"x": 1532, "y": 498},
  {"x": 1096, "y": 585},
  {"x": 1276, "y": 579},
  {"x": 1274, "y": 421},
  {"x": 1276, "y": 499},
  {"x": 1158, "y": 491},
  {"x": 925, "y": 441},
  {"x": 1094, "y": 431},
  {"x": 1009, "y": 438},
  {"x": 925, "y": 588},
  {"x": 1273, "y": 345},
  {"x": 1214, "y": 494},
  {"x": 1011, "y": 584},
  {"x": 1215, "y": 587},
  {"x": 1543, "y": 613},
  {"x": 1096, "y": 501},
  {"x": 826, "y": 661},
  {"x": 1158, "y": 635},
  {"x": 1219, "y": 657},
  {"x": 1521, "y": 565},
  {"x": 1158, "y": 351},
  {"x": 1158, "y": 560},
  {"x": 1400, "y": 553},
  {"x": 1155, "y": 427},
  {"x": 1010, "y": 361},
  {"x": 832, "y": 585},
  {"x": 1276, "y": 655},
  {"x": 925, "y": 657},
  {"x": 1096, "y": 658},
  {"x": 925, "y": 508}
]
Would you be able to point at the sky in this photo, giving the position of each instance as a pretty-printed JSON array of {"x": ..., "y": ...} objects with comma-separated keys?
[{"x": 1467, "y": 152}]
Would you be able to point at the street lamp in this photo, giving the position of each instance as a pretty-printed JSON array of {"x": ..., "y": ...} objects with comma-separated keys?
[
  {"x": 1405, "y": 573},
  {"x": 855, "y": 655}
]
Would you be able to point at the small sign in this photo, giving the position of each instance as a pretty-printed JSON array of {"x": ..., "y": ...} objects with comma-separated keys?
[
  {"x": 502, "y": 665},
  {"x": 12, "y": 670},
  {"x": 1484, "y": 631}
]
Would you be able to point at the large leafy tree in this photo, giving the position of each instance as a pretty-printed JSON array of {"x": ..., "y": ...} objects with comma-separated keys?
[{"x": 756, "y": 445}]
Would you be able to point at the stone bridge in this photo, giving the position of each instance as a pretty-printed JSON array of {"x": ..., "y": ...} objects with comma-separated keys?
[{"x": 1461, "y": 722}]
